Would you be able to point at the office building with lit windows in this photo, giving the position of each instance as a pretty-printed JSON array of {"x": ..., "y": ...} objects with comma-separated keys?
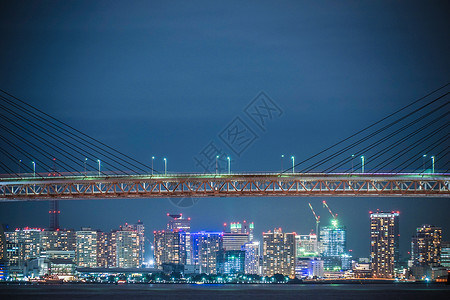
[
  {"x": 306, "y": 245},
  {"x": 168, "y": 248},
  {"x": 230, "y": 262},
  {"x": 426, "y": 246},
  {"x": 237, "y": 227},
  {"x": 445, "y": 255},
  {"x": 86, "y": 248},
  {"x": 278, "y": 253},
  {"x": 205, "y": 247},
  {"x": 252, "y": 257},
  {"x": 384, "y": 241},
  {"x": 126, "y": 247},
  {"x": 333, "y": 244},
  {"x": 234, "y": 241}
]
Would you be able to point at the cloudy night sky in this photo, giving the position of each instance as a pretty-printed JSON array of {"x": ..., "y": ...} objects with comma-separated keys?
[{"x": 165, "y": 78}]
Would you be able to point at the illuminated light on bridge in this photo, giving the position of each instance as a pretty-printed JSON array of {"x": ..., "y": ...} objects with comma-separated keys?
[{"x": 236, "y": 185}]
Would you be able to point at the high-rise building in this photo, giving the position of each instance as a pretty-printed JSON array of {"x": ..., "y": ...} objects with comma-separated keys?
[
  {"x": 168, "y": 247},
  {"x": 252, "y": 256},
  {"x": 61, "y": 239},
  {"x": 127, "y": 247},
  {"x": 445, "y": 255},
  {"x": 333, "y": 244},
  {"x": 306, "y": 245},
  {"x": 28, "y": 242},
  {"x": 426, "y": 246},
  {"x": 230, "y": 262},
  {"x": 140, "y": 229},
  {"x": 384, "y": 239},
  {"x": 279, "y": 253},
  {"x": 103, "y": 250},
  {"x": 205, "y": 247},
  {"x": 86, "y": 248},
  {"x": 3, "y": 254},
  {"x": 177, "y": 222},
  {"x": 237, "y": 227},
  {"x": 234, "y": 241}
]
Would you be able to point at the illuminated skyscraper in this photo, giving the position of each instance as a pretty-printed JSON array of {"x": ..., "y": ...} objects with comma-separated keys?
[
  {"x": 234, "y": 241},
  {"x": 279, "y": 253},
  {"x": 3, "y": 254},
  {"x": 61, "y": 239},
  {"x": 445, "y": 255},
  {"x": 205, "y": 247},
  {"x": 244, "y": 228},
  {"x": 103, "y": 248},
  {"x": 176, "y": 222},
  {"x": 86, "y": 248},
  {"x": 127, "y": 247},
  {"x": 307, "y": 245},
  {"x": 252, "y": 256},
  {"x": 333, "y": 244},
  {"x": 230, "y": 262},
  {"x": 168, "y": 248},
  {"x": 140, "y": 229},
  {"x": 426, "y": 246},
  {"x": 384, "y": 238}
]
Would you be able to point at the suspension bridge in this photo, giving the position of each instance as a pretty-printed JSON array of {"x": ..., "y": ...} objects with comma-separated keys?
[{"x": 394, "y": 144}]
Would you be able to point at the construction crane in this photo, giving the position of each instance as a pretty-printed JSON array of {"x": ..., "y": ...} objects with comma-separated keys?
[
  {"x": 317, "y": 220},
  {"x": 334, "y": 221}
]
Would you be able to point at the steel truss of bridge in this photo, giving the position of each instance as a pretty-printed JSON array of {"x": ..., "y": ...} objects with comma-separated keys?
[{"x": 234, "y": 185}]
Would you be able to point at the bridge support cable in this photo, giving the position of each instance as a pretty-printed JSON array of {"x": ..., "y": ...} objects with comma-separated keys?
[
  {"x": 80, "y": 135},
  {"x": 63, "y": 141},
  {"x": 393, "y": 145},
  {"x": 51, "y": 145},
  {"x": 366, "y": 138},
  {"x": 25, "y": 153},
  {"x": 416, "y": 158},
  {"x": 368, "y": 127},
  {"x": 409, "y": 148}
]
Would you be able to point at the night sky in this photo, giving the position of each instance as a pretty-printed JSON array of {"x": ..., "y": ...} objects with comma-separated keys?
[{"x": 165, "y": 78}]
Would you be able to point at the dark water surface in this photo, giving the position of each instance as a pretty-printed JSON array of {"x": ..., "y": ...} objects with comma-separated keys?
[{"x": 184, "y": 291}]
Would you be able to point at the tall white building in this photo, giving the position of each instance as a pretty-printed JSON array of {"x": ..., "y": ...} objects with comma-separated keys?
[
  {"x": 252, "y": 255},
  {"x": 86, "y": 248}
]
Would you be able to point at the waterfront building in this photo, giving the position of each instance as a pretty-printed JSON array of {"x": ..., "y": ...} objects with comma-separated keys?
[
  {"x": 127, "y": 247},
  {"x": 61, "y": 239},
  {"x": 384, "y": 241},
  {"x": 205, "y": 247},
  {"x": 278, "y": 253},
  {"x": 306, "y": 245},
  {"x": 333, "y": 244},
  {"x": 103, "y": 246},
  {"x": 168, "y": 248},
  {"x": 86, "y": 248},
  {"x": 234, "y": 241},
  {"x": 230, "y": 262},
  {"x": 244, "y": 228},
  {"x": 445, "y": 255},
  {"x": 309, "y": 267},
  {"x": 252, "y": 257},
  {"x": 176, "y": 222},
  {"x": 426, "y": 246},
  {"x": 140, "y": 229}
]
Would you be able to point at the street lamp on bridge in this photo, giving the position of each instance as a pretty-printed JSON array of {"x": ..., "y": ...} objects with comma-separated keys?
[
  {"x": 165, "y": 166},
  {"x": 362, "y": 163},
  {"x": 423, "y": 162},
  {"x": 432, "y": 164},
  {"x": 293, "y": 164},
  {"x": 98, "y": 160},
  {"x": 153, "y": 158},
  {"x": 217, "y": 157},
  {"x": 229, "y": 165},
  {"x": 34, "y": 168}
]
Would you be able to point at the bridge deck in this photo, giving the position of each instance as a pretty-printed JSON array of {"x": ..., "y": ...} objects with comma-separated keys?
[{"x": 234, "y": 185}]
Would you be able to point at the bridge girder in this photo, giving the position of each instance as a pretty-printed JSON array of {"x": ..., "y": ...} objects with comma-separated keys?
[{"x": 237, "y": 185}]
